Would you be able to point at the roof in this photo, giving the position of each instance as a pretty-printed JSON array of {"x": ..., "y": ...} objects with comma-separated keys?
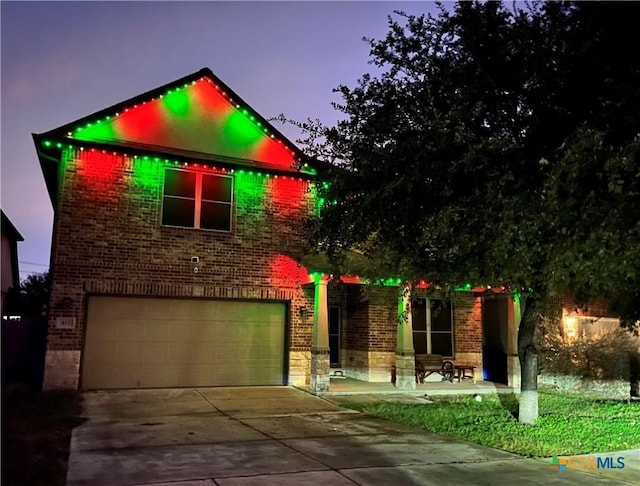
[
  {"x": 195, "y": 118},
  {"x": 8, "y": 229}
]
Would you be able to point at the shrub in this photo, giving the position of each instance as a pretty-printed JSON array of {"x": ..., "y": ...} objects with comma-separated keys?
[{"x": 609, "y": 355}]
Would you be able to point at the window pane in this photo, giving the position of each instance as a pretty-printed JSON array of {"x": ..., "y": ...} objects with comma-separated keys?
[
  {"x": 216, "y": 188},
  {"x": 420, "y": 342},
  {"x": 441, "y": 315},
  {"x": 215, "y": 216},
  {"x": 441, "y": 343},
  {"x": 179, "y": 183},
  {"x": 178, "y": 212},
  {"x": 419, "y": 314}
]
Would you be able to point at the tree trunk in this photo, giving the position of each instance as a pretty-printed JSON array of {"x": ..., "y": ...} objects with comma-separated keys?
[{"x": 528, "y": 355}]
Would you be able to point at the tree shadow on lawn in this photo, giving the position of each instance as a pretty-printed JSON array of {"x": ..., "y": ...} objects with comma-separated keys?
[{"x": 509, "y": 402}]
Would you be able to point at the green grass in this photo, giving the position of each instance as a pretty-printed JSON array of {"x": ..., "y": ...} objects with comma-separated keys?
[
  {"x": 36, "y": 434},
  {"x": 567, "y": 425}
]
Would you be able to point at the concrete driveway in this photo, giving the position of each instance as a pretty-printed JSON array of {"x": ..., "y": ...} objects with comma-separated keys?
[{"x": 276, "y": 436}]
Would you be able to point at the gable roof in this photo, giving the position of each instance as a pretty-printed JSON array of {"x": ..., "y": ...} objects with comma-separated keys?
[{"x": 195, "y": 118}]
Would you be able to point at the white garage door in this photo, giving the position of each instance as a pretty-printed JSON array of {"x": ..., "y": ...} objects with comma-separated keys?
[{"x": 153, "y": 343}]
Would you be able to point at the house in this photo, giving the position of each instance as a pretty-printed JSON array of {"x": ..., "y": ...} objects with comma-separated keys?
[
  {"x": 177, "y": 261},
  {"x": 10, "y": 273}
]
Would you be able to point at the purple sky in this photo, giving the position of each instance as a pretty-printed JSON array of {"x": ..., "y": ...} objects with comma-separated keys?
[{"x": 64, "y": 60}]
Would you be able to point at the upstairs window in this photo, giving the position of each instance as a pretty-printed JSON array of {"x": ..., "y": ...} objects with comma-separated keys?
[{"x": 197, "y": 200}]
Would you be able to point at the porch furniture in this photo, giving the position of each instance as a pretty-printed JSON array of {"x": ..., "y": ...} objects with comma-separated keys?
[
  {"x": 461, "y": 372},
  {"x": 427, "y": 364}
]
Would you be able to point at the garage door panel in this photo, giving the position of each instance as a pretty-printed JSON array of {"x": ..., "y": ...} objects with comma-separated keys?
[
  {"x": 180, "y": 353},
  {"x": 125, "y": 353},
  {"x": 103, "y": 355},
  {"x": 145, "y": 342},
  {"x": 129, "y": 330},
  {"x": 204, "y": 353}
]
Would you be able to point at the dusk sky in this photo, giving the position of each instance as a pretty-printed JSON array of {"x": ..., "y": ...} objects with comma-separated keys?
[{"x": 65, "y": 60}]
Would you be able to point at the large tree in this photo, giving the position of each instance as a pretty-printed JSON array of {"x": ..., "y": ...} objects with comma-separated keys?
[
  {"x": 496, "y": 146},
  {"x": 34, "y": 294}
]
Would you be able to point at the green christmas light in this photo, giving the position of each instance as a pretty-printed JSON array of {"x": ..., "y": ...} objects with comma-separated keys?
[
  {"x": 250, "y": 190},
  {"x": 240, "y": 131},
  {"x": 177, "y": 103},
  {"x": 147, "y": 173}
]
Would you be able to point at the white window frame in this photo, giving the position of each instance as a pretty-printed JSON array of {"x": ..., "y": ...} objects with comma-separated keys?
[{"x": 428, "y": 331}]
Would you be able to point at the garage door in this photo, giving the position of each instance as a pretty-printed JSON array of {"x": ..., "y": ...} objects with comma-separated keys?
[{"x": 152, "y": 343}]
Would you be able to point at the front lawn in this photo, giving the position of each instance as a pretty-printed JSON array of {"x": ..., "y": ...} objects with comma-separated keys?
[
  {"x": 36, "y": 434},
  {"x": 567, "y": 424}
]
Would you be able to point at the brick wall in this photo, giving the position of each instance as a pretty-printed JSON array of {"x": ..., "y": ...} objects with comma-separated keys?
[
  {"x": 467, "y": 323},
  {"x": 357, "y": 307},
  {"x": 370, "y": 333},
  {"x": 371, "y": 318},
  {"x": 108, "y": 239},
  {"x": 383, "y": 318}
]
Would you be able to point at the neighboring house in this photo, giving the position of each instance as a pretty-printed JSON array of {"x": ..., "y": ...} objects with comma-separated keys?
[
  {"x": 177, "y": 261},
  {"x": 588, "y": 351},
  {"x": 10, "y": 272}
]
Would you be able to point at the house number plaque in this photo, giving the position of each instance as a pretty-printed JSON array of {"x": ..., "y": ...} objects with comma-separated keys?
[{"x": 65, "y": 322}]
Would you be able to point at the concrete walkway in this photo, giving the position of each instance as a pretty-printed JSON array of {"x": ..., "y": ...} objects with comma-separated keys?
[{"x": 279, "y": 436}]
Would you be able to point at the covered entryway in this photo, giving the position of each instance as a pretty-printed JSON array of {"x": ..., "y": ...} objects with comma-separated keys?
[{"x": 156, "y": 343}]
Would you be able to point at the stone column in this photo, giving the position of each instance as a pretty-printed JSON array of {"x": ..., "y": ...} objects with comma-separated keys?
[
  {"x": 513, "y": 323},
  {"x": 405, "y": 355},
  {"x": 320, "y": 338}
]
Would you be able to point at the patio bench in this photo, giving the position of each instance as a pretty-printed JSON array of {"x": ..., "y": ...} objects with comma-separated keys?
[{"x": 427, "y": 364}]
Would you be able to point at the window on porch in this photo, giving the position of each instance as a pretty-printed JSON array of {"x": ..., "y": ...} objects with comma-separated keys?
[{"x": 432, "y": 327}]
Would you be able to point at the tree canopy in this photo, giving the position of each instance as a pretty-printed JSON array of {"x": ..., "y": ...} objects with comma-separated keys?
[
  {"x": 498, "y": 145},
  {"x": 464, "y": 160},
  {"x": 34, "y": 294}
]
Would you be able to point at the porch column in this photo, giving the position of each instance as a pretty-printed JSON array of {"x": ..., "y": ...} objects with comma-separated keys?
[
  {"x": 320, "y": 338},
  {"x": 513, "y": 323},
  {"x": 405, "y": 355}
]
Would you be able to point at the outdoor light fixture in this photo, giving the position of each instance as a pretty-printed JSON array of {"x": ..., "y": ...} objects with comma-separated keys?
[{"x": 67, "y": 302}]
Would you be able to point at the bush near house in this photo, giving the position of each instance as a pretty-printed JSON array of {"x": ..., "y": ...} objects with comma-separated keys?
[{"x": 606, "y": 362}]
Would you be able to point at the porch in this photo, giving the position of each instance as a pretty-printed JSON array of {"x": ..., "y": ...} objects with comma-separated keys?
[{"x": 375, "y": 336}]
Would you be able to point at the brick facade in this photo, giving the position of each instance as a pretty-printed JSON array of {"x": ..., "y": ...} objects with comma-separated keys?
[{"x": 108, "y": 239}]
